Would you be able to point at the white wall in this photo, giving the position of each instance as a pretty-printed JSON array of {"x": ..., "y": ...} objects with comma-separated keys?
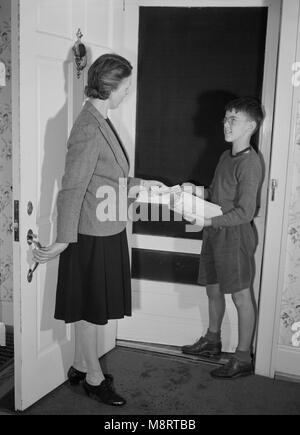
[
  {"x": 6, "y": 283},
  {"x": 290, "y": 302}
]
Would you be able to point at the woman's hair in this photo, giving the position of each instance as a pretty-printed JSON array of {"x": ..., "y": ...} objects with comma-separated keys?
[{"x": 106, "y": 74}]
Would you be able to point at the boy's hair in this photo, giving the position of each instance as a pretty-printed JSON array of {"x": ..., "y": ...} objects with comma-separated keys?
[{"x": 250, "y": 106}]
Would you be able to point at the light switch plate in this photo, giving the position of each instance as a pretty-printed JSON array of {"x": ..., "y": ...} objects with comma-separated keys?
[{"x": 2, "y": 74}]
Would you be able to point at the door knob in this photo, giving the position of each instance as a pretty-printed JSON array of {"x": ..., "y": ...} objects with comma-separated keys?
[
  {"x": 30, "y": 272},
  {"x": 32, "y": 239}
]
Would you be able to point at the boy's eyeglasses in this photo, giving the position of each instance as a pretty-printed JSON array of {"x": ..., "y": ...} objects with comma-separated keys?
[{"x": 232, "y": 121}]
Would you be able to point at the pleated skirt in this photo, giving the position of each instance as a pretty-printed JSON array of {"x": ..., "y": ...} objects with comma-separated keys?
[{"x": 94, "y": 282}]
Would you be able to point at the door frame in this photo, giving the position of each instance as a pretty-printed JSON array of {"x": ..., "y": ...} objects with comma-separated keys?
[
  {"x": 276, "y": 236},
  {"x": 16, "y": 184},
  {"x": 268, "y": 97}
]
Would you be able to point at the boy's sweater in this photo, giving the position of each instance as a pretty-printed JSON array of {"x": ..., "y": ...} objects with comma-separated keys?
[{"x": 235, "y": 188}]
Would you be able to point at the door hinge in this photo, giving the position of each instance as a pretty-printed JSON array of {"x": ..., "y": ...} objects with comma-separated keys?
[{"x": 16, "y": 223}]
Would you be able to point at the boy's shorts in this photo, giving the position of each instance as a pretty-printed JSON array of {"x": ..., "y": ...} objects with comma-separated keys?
[{"x": 227, "y": 258}]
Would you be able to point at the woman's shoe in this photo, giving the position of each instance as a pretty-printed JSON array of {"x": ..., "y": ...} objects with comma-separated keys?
[
  {"x": 104, "y": 393},
  {"x": 75, "y": 376}
]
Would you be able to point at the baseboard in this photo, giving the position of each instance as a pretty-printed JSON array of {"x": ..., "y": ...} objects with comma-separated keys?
[
  {"x": 2, "y": 334},
  {"x": 174, "y": 351},
  {"x": 288, "y": 362},
  {"x": 288, "y": 378}
]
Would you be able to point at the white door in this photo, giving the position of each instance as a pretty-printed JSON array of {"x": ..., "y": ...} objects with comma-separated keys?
[
  {"x": 47, "y": 97},
  {"x": 169, "y": 313}
]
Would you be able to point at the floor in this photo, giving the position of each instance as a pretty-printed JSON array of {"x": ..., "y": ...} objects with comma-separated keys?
[
  {"x": 7, "y": 369},
  {"x": 6, "y": 389},
  {"x": 158, "y": 384}
]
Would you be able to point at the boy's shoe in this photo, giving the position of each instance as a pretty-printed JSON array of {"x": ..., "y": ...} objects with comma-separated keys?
[
  {"x": 233, "y": 369},
  {"x": 203, "y": 347}
]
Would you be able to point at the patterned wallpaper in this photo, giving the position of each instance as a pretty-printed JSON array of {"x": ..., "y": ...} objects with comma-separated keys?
[
  {"x": 290, "y": 308},
  {"x": 6, "y": 246}
]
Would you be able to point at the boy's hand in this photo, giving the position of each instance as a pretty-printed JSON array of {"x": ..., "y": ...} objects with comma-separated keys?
[
  {"x": 189, "y": 188},
  {"x": 207, "y": 222},
  {"x": 189, "y": 218}
]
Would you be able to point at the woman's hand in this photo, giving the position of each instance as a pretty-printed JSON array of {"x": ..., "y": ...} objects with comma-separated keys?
[
  {"x": 149, "y": 184},
  {"x": 43, "y": 255}
]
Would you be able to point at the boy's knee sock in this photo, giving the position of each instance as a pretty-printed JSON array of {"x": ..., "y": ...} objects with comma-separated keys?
[
  {"x": 244, "y": 356},
  {"x": 214, "y": 337}
]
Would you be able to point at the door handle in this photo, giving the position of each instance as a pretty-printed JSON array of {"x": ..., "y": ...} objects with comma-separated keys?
[{"x": 32, "y": 239}]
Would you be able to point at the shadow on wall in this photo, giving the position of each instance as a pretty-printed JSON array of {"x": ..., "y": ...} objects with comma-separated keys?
[
  {"x": 51, "y": 175},
  {"x": 209, "y": 129}
]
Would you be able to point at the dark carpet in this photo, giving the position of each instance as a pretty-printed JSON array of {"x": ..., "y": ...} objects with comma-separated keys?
[
  {"x": 156, "y": 384},
  {"x": 7, "y": 352}
]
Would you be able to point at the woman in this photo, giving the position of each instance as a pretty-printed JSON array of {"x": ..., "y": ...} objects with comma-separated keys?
[{"x": 94, "y": 272}]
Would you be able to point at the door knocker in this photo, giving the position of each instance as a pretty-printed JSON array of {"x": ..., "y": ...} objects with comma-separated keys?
[{"x": 79, "y": 51}]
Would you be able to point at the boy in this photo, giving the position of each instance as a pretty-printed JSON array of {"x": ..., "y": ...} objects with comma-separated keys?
[{"x": 227, "y": 257}]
